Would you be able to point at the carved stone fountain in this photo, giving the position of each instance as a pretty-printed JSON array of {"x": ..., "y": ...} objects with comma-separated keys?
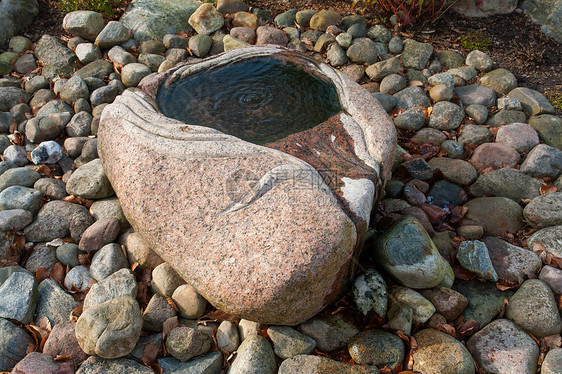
[{"x": 252, "y": 173}]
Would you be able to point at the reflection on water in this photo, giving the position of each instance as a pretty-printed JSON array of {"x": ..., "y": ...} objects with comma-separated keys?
[{"x": 260, "y": 100}]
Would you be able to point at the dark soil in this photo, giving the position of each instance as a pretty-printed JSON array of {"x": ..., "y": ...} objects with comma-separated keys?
[{"x": 517, "y": 43}]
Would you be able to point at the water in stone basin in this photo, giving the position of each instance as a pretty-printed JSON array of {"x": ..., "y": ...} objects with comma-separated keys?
[{"x": 259, "y": 100}]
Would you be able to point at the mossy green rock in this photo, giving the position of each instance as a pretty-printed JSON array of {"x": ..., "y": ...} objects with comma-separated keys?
[
  {"x": 485, "y": 300},
  {"x": 533, "y": 102},
  {"x": 407, "y": 253},
  {"x": 496, "y": 214},
  {"x": 450, "y": 59},
  {"x": 549, "y": 128},
  {"x": 377, "y": 347},
  {"x": 499, "y": 80},
  {"x": 152, "y": 19},
  {"x": 416, "y": 54}
]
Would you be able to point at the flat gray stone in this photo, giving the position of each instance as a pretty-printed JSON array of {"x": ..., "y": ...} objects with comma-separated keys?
[
  {"x": 54, "y": 303},
  {"x": 476, "y": 94},
  {"x": 255, "y": 356},
  {"x": 549, "y": 238},
  {"x": 407, "y": 246},
  {"x": 96, "y": 365},
  {"x": 533, "y": 102},
  {"x": 57, "y": 219},
  {"x": 411, "y": 97},
  {"x": 211, "y": 363},
  {"x": 305, "y": 364},
  {"x": 119, "y": 284},
  {"x": 288, "y": 342},
  {"x": 57, "y": 58},
  {"x": 18, "y": 297},
  {"x": 11, "y": 96},
  {"x": 544, "y": 210},
  {"x": 503, "y": 347},
  {"x": 330, "y": 332},
  {"x": 510, "y": 261},
  {"x": 13, "y": 344},
  {"x": 485, "y": 300},
  {"x": 108, "y": 260},
  {"x": 535, "y": 295},
  {"x": 506, "y": 182}
]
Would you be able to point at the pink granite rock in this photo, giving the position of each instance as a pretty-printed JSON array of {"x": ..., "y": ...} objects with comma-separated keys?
[
  {"x": 495, "y": 156},
  {"x": 274, "y": 247},
  {"x": 39, "y": 363},
  {"x": 271, "y": 35}
]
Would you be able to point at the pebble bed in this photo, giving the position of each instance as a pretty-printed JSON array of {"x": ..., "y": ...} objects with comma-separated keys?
[{"x": 462, "y": 271}]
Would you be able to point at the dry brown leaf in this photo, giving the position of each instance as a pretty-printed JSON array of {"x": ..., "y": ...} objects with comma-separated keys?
[
  {"x": 44, "y": 324},
  {"x": 172, "y": 303},
  {"x": 62, "y": 358},
  {"x": 151, "y": 354},
  {"x": 45, "y": 170},
  {"x": 78, "y": 200},
  {"x": 467, "y": 328},
  {"x": 447, "y": 329},
  {"x": 30, "y": 348},
  {"x": 168, "y": 326},
  {"x": 462, "y": 273},
  {"x": 76, "y": 312},
  {"x": 547, "y": 188},
  {"x": 41, "y": 275},
  {"x": 502, "y": 310},
  {"x": 409, "y": 359},
  {"x": 58, "y": 273},
  {"x": 219, "y": 316}
]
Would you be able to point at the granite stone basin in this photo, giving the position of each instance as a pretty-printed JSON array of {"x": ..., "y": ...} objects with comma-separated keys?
[{"x": 256, "y": 186}]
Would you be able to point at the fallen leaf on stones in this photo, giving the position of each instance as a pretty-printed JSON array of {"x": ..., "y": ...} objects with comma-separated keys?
[
  {"x": 16, "y": 138},
  {"x": 457, "y": 213},
  {"x": 150, "y": 354},
  {"x": 61, "y": 358},
  {"x": 44, "y": 324},
  {"x": 143, "y": 281},
  {"x": 41, "y": 275},
  {"x": 447, "y": 329},
  {"x": 547, "y": 188},
  {"x": 463, "y": 274},
  {"x": 502, "y": 310},
  {"x": 507, "y": 284},
  {"x": 30, "y": 348},
  {"x": 172, "y": 303},
  {"x": 45, "y": 170},
  {"x": 409, "y": 359},
  {"x": 78, "y": 200},
  {"x": 76, "y": 312},
  {"x": 467, "y": 328},
  {"x": 58, "y": 273},
  {"x": 168, "y": 326},
  {"x": 84, "y": 259},
  {"x": 219, "y": 316},
  {"x": 134, "y": 266}
]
